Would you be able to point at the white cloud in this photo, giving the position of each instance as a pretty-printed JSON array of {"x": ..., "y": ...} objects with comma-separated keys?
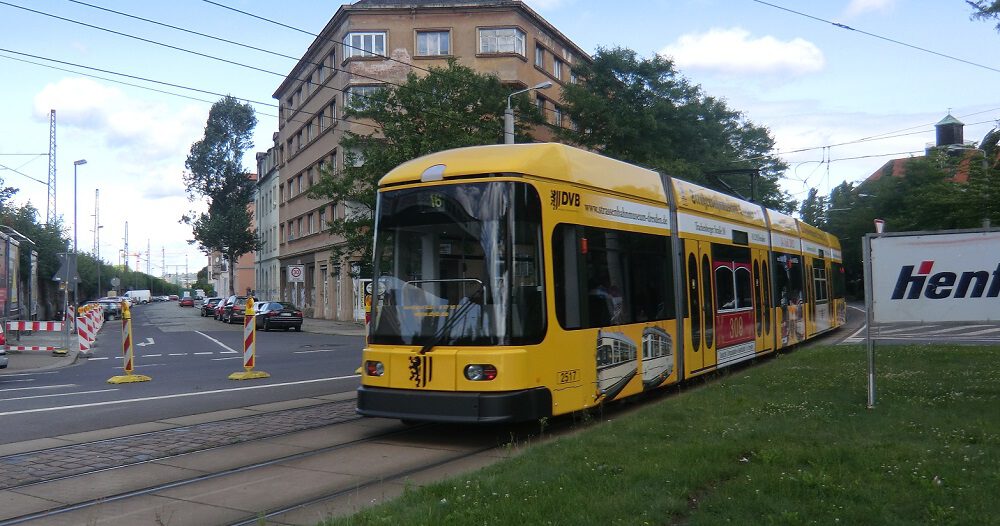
[
  {"x": 858, "y": 7},
  {"x": 139, "y": 131},
  {"x": 735, "y": 51}
]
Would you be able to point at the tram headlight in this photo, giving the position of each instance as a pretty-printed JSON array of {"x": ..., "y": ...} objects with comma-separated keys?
[
  {"x": 480, "y": 372},
  {"x": 374, "y": 368}
]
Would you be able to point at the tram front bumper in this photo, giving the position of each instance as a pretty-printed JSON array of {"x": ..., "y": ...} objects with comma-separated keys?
[{"x": 440, "y": 406}]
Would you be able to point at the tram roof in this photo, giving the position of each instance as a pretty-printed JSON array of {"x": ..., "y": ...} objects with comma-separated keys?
[{"x": 546, "y": 160}]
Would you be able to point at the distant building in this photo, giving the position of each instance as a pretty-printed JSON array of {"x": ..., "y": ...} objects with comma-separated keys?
[
  {"x": 266, "y": 264},
  {"x": 367, "y": 45},
  {"x": 949, "y": 139}
]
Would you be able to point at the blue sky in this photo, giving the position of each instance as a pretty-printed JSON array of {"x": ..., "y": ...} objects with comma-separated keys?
[{"x": 811, "y": 83}]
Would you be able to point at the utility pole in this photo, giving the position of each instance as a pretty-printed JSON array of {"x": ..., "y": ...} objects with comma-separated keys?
[
  {"x": 97, "y": 238},
  {"x": 50, "y": 214}
]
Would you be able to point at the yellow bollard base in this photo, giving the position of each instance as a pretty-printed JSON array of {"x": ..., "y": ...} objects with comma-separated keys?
[
  {"x": 248, "y": 375},
  {"x": 60, "y": 352},
  {"x": 128, "y": 379}
]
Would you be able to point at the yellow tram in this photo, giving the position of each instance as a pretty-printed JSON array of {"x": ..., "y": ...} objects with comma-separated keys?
[{"x": 514, "y": 282}]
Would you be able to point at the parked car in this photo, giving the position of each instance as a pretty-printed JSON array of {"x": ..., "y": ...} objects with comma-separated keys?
[
  {"x": 186, "y": 301},
  {"x": 234, "y": 308},
  {"x": 172, "y": 297},
  {"x": 221, "y": 307},
  {"x": 112, "y": 307},
  {"x": 277, "y": 315},
  {"x": 208, "y": 307}
]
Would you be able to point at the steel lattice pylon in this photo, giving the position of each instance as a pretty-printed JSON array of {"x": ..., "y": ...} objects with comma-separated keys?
[{"x": 50, "y": 213}]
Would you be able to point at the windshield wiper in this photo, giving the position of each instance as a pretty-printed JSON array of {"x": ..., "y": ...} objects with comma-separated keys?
[{"x": 453, "y": 319}]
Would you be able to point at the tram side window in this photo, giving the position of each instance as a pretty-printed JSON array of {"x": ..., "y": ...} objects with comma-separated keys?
[
  {"x": 733, "y": 285},
  {"x": 610, "y": 277},
  {"x": 819, "y": 281},
  {"x": 837, "y": 280},
  {"x": 787, "y": 279}
]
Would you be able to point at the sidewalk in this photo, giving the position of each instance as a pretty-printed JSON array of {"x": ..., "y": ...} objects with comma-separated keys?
[{"x": 21, "y": 361}]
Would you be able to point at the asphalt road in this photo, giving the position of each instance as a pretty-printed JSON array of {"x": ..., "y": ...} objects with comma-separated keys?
[{"x": 189, "y": 359}]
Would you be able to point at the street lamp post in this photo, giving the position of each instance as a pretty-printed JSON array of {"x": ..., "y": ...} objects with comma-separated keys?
[
  {"x": 76, "y": 284},
  {"x": 99, "y": 262},
  {"x": 508, "y": 114}
]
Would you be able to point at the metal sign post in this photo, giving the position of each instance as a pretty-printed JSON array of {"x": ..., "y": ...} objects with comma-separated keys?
[{"x": 869, "y": 318}]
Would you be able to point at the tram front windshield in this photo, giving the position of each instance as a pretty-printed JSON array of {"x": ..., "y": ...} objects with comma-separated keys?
[{"x": 459, "y": 265}]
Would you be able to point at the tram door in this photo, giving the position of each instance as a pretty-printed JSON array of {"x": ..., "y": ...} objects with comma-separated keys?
[
  {"x": 699, "y": 348},
  {"x": 763, "y": 303}
]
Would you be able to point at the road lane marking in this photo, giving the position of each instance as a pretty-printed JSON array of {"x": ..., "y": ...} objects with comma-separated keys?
[
  {"x": 202, "y": 353},
  {"x": 8, "y": 375},
  {"x": 97, "y": 358},
  {"x": 227, "y": 358},
  {"x": 317, "y": 350},
  {"x": 38, "y": 387},
  {"x": 56, "y": 394},
  {"x": 151, "y": 355},
  {"x": 227, "y": 348},
  {"x": 177, "y": 395},
  {"x": 178, "y": 354}
]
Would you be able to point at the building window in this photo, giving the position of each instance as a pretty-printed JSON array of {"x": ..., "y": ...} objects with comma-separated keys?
[
  {"x": 557, "y": 68},
  {"x": 358, "y": 95},
  {"x": 322, "y": 217},
  {"x": 364, "y": 44},
  {"x": 431, "y": 43},
  {"x": 333, "y": 113},
  {"x": 299, "y": 227},
  {"x": 540, "y": 56},
  {"x": 298, "y": 184},
  {"x": 312, "y": 225},
  {"x": 321, "y": 120},
  {"x": 501, "y": 40},
  {"x": 540, "y": 102},
  {"x": 559, "y": 116},
  {"x": 282, "y": 232}
]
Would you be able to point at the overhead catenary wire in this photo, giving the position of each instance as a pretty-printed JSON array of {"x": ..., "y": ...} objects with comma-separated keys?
[
  {"x": 330, "y": 40},
  {"x": 880, "y": 37},
  {"x": 154, "y": 81},
  {"x": 345, "y": 90}
]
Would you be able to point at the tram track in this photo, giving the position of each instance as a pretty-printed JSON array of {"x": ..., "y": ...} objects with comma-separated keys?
[{"x": 328, "y": 468}]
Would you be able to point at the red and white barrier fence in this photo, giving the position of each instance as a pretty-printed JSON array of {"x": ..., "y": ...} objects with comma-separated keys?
[{"x": 89, "y": 320}]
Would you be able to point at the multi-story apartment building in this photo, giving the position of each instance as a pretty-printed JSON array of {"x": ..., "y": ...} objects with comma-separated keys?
[
  {"x": 374, "y": 43},
  {"x": 266, "y": 264}
]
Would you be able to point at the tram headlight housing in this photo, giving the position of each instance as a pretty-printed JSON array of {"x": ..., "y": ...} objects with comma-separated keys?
[
  {"x": 480, "y": 372},
  {"x": 374, "y": 368}
]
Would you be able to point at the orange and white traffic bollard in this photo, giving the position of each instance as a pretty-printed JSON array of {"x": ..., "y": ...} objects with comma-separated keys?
[
  {"x": 83, "y": 330},
  {"x": 249, "y": 347},
  {"x": 128, "y": 352}
]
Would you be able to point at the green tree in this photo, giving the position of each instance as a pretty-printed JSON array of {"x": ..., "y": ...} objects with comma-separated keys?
[
  {"x": 814, "y": 209},
  {"x": 48, "y": 241},
  {"x": 449, "y": 107},
  {"x": 984, "y": 10},
  {"x": 645, "y": 112},
  {"x": 216, "y": 175}
]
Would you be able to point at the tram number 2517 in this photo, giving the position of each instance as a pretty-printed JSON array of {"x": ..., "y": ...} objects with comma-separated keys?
[{"x": 568, "y": 377}]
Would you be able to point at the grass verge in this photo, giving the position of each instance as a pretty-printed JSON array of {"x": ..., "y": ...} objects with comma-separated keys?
[{"x": 788, "y": 441}]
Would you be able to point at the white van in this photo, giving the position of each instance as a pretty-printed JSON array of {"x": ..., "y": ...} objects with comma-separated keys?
[{"x": 139, "y": 296}]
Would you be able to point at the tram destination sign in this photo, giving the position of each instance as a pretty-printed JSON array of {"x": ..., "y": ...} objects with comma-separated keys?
[{"x": 933, "y": 277}]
